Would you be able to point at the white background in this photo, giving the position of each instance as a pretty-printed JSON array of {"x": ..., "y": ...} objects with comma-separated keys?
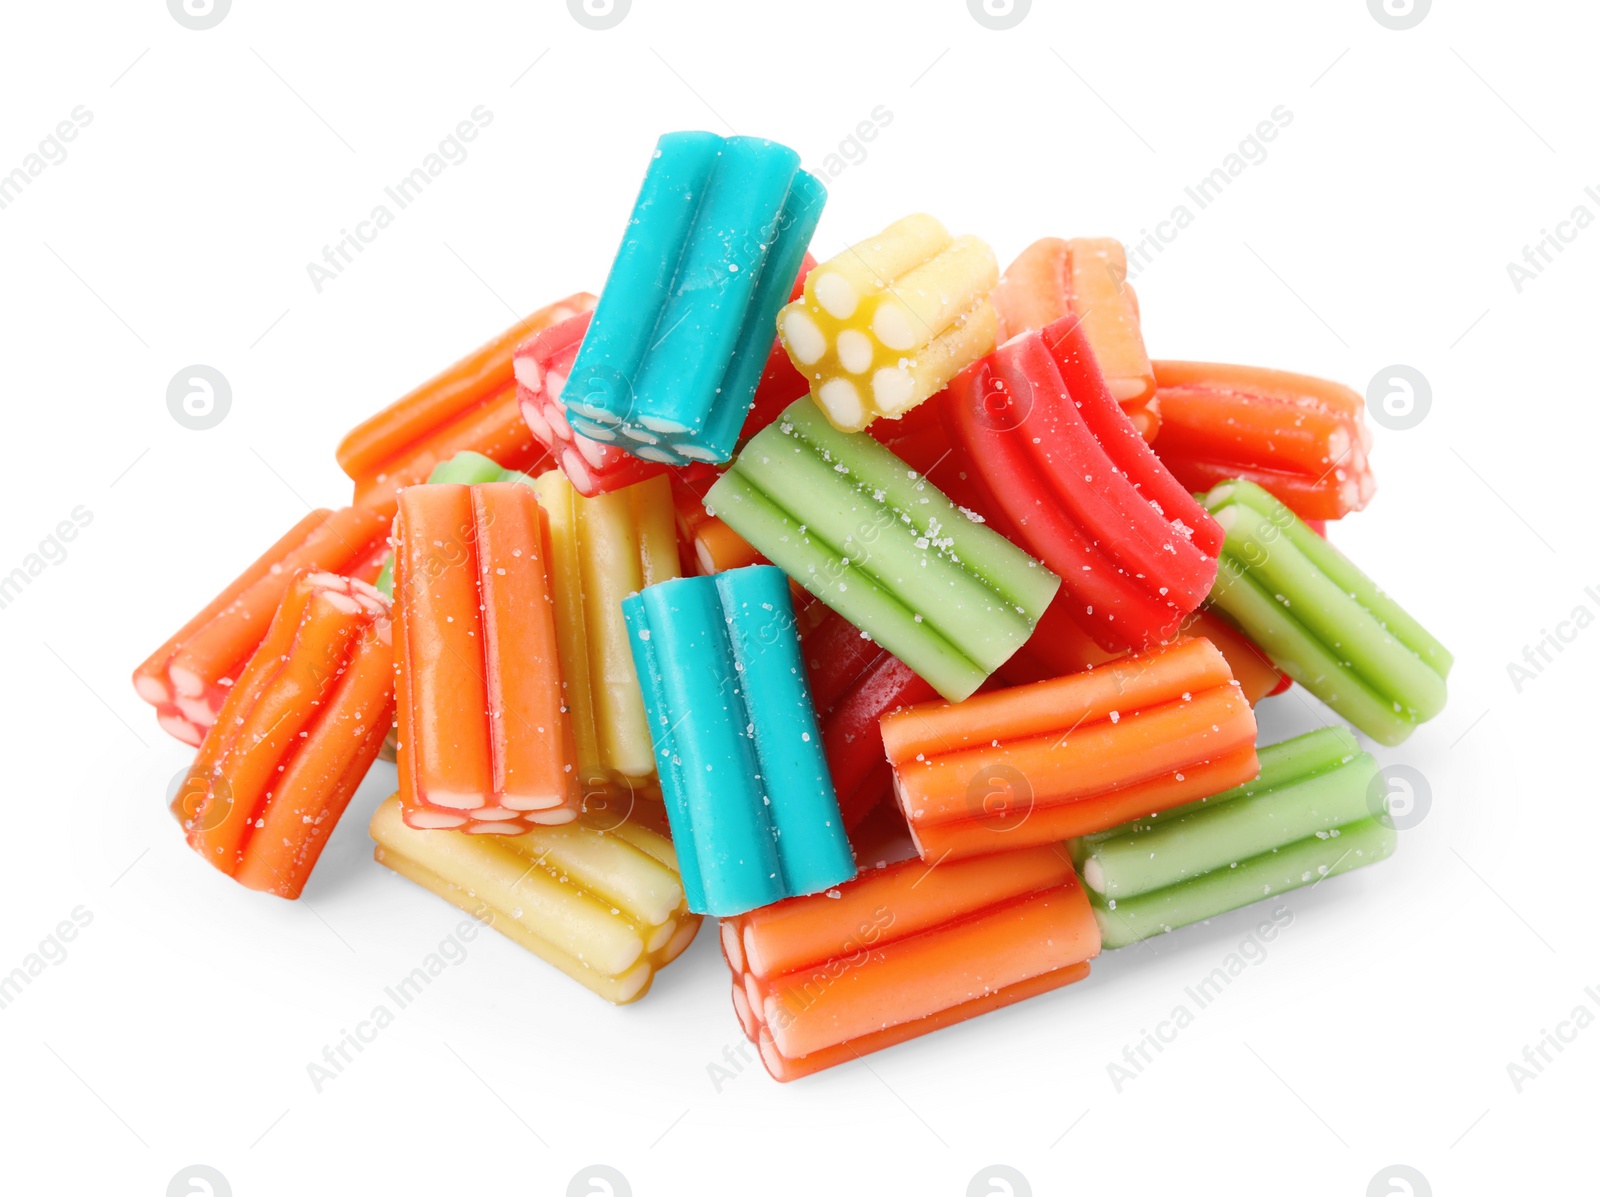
[{"x": 1377, "y": 231}]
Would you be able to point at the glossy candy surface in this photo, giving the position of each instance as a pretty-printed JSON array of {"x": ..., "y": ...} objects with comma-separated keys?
[
  {"x": 1073, "y": 755},
  {"x": 485, "y": 739},
  {"x": 738, "y": 749},
  {"x": 598, "y": 899},
  {"x": 1321, "y": 620},
  {"x": 1062, "y": 471},
  {"x": 1300, "y": 438},
  {"x": 669, "y": 365},
  {"x": 875, "y": 541},
  {"x": 1316, "y": 809},
  {"x": 902, "y": 951},
  {"x": 188, "y": 678},
  {"x": 297, "y": 733},
  {"x": 889, "y": 321}
]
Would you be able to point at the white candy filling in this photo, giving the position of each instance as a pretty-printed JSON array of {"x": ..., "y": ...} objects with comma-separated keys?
[
  {"x": 695, "y": 452},
  {"x": 681, "y": 939},
  {"x": 702, "y": 554},
  {"x": 552, "y": 818},
  {"x": 341, "y": 602},
  {"x": 741, "y": 1007},
  {"x": 598, "y": 414},
  {"x": 539, "y": 426},
  {"x": 843, "y": 401},
  {"x": 662, "y": 425},
  {"x": 553, "y": 410},
  {"x": 181, "y": 728},
  {"x": 658, "y": 937},
  {"x": 196, "y": 710},
  {"x": 428, "y": 819},
  {"x": 574, "y": 469},
  {"x": 527, "y": 372},
  {"x": 730, "y": 945},
  {"x": 892, "y": 388},
  {"x": 152, "y": 690},
  {"x": 803, "y": 338},
  {"x": 891, "y": 324},
  {"x": 593, "y": 453},
  {"x": 1094, "y": 875},
  {"x": 632, "y": 982},
  {"x": 835, "y": 294},
  {"x": 854, "y": 350},
  {"x": 452, "y": 800},
  {"x": 186, "y": 681},
  {"x": 753, "y": 959},
  {"x": 534, "y": 800}
]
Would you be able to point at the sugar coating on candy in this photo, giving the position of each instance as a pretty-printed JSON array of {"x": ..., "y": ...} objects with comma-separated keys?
[
  {"x": 946, "y": 944},
  {"x": 294, "y": 737},
  {"x": 678, "y": 345},
  {"x": 887, "y": 323},
  {"x": 1071, "y": 755},
  {"x": 1320, "y": 620},
  {"x": 1052, "y": 457},
  {"x": 878, "y": 543},
  {"x": 1302, "y": 439},
  {"x": 743, "y": 773},
  {"x": 485, "y": 733},
  {"x": 599, "y": 900},
  {"x": 1309, "y": 814},
  {"x": 188, "y": 678}
]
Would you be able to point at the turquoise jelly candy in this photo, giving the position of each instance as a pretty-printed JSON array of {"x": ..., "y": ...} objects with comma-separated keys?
[
  {"x": 670, "y": 363},
  {"x": 752, "y": 807}
]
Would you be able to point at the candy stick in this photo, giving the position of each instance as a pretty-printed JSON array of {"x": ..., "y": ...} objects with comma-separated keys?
[
  {"x": 486, "y": 744},
  {"x": 602, "y": 904},
  {"x": 1071, "y": 481},
  {"x": 889, "y": 321},
  {"x": 902, "y": 951},
  {"x": 295, "y": 736},
  {"x": 740, "y": 755},
  {"x": 188, "y": 678},
  {"x": 1300, "y": 438},
  {"x": 602, "y": 550},
  {"x": 1321, "y": 620},
  {"x": 1039, "y": 763},
  {"x": 1085, "y": 278},
  {"x": 594, "y": 467},
  {"x": 1315, "y": 810},
  {"x": 472, "y": 405},
  {"x": 669, "y": 366},
  {"x": 852, "y": 524}
]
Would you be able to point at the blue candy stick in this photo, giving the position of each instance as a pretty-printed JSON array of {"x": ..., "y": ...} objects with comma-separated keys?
[
  {"x": 669, "y": 366},
  {"x": 752, "y": 807}
]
